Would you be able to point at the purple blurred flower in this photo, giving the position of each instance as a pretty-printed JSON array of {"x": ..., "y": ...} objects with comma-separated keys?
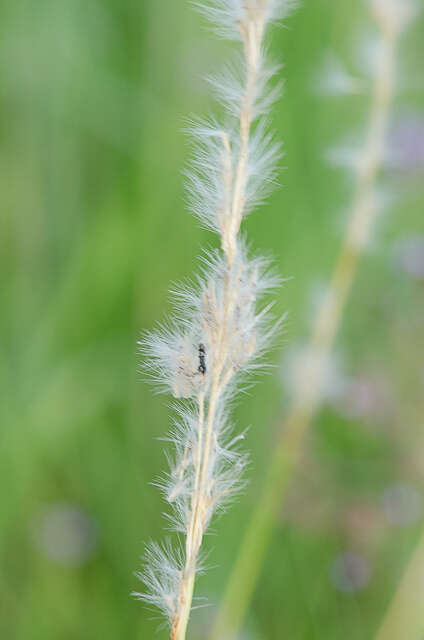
[
  {"x": 350, "y": 572},
  {"x": 366, "y": 396},
  {"x": 406, "y": 145},
  {"x": 401, "y": 504},
  {"x": 409, "y": 254}
]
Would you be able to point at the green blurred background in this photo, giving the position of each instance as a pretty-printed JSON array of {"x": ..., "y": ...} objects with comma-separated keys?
[{"x": 94, "y": 94}]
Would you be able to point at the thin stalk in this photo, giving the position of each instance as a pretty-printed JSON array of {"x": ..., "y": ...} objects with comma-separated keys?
[
  {"x": 220, "y": 329},
  {"x": 305, "y": 404},
  {"x": 252, "y": 34},
  {"x": 405, "y": 617}
]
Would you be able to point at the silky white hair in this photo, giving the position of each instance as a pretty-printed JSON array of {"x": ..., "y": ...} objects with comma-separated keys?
[{"x": 220, "y": 330}]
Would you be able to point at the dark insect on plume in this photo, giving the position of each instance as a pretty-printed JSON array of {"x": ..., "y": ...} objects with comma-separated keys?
[{"x": 202, "y": 359}]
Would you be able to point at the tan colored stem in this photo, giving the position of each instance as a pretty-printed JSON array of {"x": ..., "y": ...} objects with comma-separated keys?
[
  {"x": 179, "y": 626},
  {"x": 252, "y": 34},
  {"x": 198, "y": 467},
  {"x": 308, "y": 395},
  {"x": 221, "y": 373}
]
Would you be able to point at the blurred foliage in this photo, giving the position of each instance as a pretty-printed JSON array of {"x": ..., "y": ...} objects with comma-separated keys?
[{"x": 93, "y": 229}]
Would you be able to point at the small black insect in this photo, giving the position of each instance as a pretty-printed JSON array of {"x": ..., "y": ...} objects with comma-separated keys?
[{"x": 202, "y": 359}]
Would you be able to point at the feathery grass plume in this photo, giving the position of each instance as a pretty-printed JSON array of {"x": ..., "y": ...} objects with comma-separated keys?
[
  {"x": 392, "y": 18},
  {"x": 220, "y": 330}
]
